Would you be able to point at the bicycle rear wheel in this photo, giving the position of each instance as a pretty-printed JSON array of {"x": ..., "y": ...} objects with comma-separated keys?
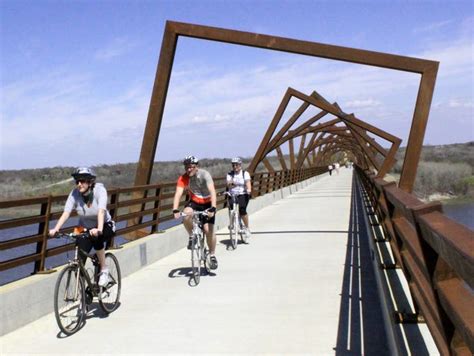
[
  {"x": 109, "y": 295},
  {"x": 69, "y": 300},
  {"x": 196, "y": 260}
]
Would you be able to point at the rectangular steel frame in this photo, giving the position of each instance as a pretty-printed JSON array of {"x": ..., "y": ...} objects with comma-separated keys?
[{"x": 426, "y": 68}]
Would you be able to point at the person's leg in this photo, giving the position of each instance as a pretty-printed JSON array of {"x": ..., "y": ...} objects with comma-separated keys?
[
  {"x": 210, "y": 238},
  {"x": 188, "y": 220}
]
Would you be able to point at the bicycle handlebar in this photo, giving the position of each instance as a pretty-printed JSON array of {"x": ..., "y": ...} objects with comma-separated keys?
[
  {"x": 194, "y": 213},
  {"x": 72, "y": 235}
]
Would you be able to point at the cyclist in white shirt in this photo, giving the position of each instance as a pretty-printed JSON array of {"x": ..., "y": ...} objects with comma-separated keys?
[
  {"x": 89, "y": 200},
  {"x": 239, "y": 183}
]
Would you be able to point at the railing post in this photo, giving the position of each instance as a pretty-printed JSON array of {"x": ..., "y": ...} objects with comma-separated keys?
[
  {"x": 157, "y": 205},
  {"x": 260, "y": 182},
  {"x": 43, "y": 230},
  {"x": 114, "y": 199}
]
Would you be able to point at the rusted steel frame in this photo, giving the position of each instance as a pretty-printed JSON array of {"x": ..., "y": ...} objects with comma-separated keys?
[
  {"x": 457, "y": 303},
  {"x": 350, "y": 120},
  {"x": 307, "y": 149},
  {"x": 7, "y": 224},
  {"x": 418, "y": 127},
  {"x": 174, "y": 29},
  {"x": 43, "y": 229},
  {"x": 136, "y": 214},
  {"x": 315, "y": 49},
  {"x": 157, "y": 105},
  {"x": 299, "y": 129},
  {"x": 418, "y": 262},
  {"x": 19, "y": 241},
  {"x": 268, "y": 165},
  {"x": 292, "y": 154},
  {"x": 15, "y": 203},
  {"x": 260, "y": 154},
  {"x": 300, "y": 152},
  {"x": 281, "y": 158},
  {"x": 452, "y": 241},
  {"x": 19, "y": 261},
  {"x": 367, "y": 153},
  {"x": 286, "y": 126}
]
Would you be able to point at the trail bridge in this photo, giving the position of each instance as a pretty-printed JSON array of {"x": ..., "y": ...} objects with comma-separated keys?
[{"x": 348, "y": 263}]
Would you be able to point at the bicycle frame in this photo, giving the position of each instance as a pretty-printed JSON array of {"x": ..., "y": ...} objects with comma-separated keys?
[{"x": 198, "y": 249}]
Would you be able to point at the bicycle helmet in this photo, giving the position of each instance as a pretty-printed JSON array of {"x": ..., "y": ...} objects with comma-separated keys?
[
  {"x": 236, "y": 160},
  {"x": 84, "y": 173},
  {"x": 190, "y": 160}
]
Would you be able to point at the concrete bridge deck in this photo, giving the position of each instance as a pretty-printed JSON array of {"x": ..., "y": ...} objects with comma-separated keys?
[{"x": 304, "y": 284}]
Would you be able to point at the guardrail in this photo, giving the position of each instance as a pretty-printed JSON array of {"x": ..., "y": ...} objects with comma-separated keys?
[
  {"x": 139, "y": 209},
  {"x": 436, "y": 255}
]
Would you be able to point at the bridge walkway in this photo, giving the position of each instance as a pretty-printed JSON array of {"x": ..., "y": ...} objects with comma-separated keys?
[{"x": 304, "y": 284}]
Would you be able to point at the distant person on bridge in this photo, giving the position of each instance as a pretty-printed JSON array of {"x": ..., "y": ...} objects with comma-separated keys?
[
  {"x": 239, "y": 183},
  {"x": 199, "y": 185},
  {"x": 89, "y": 200},
  {"x": 330, "y": 169}
]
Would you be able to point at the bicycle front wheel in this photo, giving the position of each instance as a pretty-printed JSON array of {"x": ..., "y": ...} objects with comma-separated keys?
[
  {"x": 69, "y": 300},
  {"x": 235, "y": 230},
  {"x": 196, "y": 260},
  {"x": 109, "y": 295}
]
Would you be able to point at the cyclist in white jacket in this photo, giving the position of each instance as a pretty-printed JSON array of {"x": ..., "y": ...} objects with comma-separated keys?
[{"x": 239, "y": 183}]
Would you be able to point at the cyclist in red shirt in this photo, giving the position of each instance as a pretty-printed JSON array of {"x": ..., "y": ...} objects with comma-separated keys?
[{"x": 199, "y": 185}]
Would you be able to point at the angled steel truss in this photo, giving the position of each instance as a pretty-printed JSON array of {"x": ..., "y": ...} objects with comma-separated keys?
[
  {"x": 326, "y": 138},
  {"x": 427, "y": 69}
]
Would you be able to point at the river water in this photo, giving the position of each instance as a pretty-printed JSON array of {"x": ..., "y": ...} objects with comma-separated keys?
[{"x": 463, "y": 213}]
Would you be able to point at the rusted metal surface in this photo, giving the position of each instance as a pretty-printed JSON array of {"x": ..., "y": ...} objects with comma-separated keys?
[
  {"x": 427, "y": 69},
  {"x": 351, "y": 136},
  {"x": 437, "y": 256}
]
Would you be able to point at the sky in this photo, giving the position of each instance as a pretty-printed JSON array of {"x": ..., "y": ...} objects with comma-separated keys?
[{"x": 76, "y": 76}]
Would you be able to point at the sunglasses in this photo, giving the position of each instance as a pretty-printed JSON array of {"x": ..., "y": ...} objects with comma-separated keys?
[
  {"x": 190, "y": 167},
  {"x": 236, "y": 164},
  {"x": 82, "y": 181}
]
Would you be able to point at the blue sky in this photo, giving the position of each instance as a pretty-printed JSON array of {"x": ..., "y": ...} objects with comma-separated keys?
[{"x": 76, "y": 76}]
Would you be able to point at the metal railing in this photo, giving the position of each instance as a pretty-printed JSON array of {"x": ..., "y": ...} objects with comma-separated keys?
[
  {"x": 436, "y": 255},
  {"x": 137, "y": 210}
]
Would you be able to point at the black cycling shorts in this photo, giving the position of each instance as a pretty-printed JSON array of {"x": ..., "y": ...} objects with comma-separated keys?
[
  {"x": 86, "y": 244},
  {"x": 201, "y": 207},
  {"x": 243, "y": 200}
]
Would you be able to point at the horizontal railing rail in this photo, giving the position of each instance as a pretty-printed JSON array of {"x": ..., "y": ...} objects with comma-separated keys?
[
  {"x": 436, "y": 255},
  {"x": 137, "y": 210}
]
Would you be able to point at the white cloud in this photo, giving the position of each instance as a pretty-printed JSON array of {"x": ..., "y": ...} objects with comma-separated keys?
[
  {"x": 435, "y": 26},
  {"x": 364, "y": 103},
  {"x": 118, "y": 47}
]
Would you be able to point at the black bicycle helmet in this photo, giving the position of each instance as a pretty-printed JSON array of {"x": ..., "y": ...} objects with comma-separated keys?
[
  {"x": 84, "y": 173},
  {"x": 190, "y": 160}
]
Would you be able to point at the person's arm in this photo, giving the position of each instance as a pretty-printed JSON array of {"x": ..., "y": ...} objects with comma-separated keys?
[
  {"x": 248, "y": 185},
  {"x": 212, "y": 191},
  {"x": 230, "y": 181},
  {"x": 68, "y": 207},
  {"x": 64, "y": 216},
  {"x": 177, "y": 197},
  {"x": 100, "y": 223}
]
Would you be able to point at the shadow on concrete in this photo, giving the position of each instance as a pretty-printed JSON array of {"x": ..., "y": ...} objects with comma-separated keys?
[{"x": 361, "y": 328}]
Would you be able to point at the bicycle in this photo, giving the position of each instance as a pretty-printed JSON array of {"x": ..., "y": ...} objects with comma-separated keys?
[
  {"x": 199, "y": 252},
  {"x": 236, "y": 225},
  {"x": 71, "y": 296}
]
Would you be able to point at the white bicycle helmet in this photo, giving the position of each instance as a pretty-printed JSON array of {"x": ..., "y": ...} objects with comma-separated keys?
[
  {"x": 190, "y": 160},
  {"x": 236, "y": 160},
  {"x": 84, "y": 173}
]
